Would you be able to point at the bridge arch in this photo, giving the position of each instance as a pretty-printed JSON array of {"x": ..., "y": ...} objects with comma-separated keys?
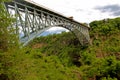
[
  {"x": 81, "y": 37},
  {"x": 32, "y": 19}
]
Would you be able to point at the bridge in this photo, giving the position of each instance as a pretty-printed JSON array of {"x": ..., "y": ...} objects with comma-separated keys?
[{"x": 32, "y": 19}]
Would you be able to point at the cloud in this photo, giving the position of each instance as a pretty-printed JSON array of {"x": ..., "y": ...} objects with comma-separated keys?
[
  {"x": 114, "y": 9},
  {"x": 79, "y": 10}
]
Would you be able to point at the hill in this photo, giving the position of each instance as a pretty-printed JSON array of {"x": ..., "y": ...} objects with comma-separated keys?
[
  {"x": 99, "y": 61},
  {"x": 61, "y": 57}
]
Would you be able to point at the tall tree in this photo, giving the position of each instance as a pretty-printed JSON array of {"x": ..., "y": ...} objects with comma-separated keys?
[{"x": 8, "y": 38}]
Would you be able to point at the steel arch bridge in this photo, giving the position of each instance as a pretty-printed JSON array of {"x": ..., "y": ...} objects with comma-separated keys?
[{"x": 32, "y": 19}]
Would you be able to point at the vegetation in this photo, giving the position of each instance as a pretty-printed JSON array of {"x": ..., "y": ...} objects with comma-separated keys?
[
  {"x": 7, "y": 37},
  {"x": 60, "y": 56}
]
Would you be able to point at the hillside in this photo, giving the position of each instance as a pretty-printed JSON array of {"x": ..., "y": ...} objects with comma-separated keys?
[
  {"x": 99, "y": 61},
  {"x": 61, "y": 57}
]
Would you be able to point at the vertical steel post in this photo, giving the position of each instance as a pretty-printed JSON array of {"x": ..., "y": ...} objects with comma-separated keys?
[{"x": 27, "y": 23}]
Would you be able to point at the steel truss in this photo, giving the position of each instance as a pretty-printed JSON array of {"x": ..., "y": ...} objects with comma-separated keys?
[{"x": 32, "y": 19}]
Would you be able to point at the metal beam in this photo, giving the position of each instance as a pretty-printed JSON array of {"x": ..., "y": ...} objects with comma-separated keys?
[{"x": 32, "y": 19}]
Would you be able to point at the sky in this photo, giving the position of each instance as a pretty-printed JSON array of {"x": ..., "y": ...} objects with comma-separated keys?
[{"x": 84, "y": 10}]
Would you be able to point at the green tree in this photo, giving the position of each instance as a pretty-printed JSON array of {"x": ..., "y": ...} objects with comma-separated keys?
[
  {"x": 8, "y": 37},
  {"x": 8, "y": 40}
]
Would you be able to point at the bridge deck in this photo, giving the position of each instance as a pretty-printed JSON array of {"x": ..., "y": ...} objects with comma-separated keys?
[
  {"x": 33, "y": 18},
  {"x": 33, "y": 5}
]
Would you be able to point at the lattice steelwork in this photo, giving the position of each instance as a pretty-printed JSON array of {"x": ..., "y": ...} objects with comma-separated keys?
[{"x": 33, "y": 19}]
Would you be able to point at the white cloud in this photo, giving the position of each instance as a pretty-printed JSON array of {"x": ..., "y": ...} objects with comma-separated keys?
[
  {"x": 54, "y": 30},
  {"x": 57, "y": 28},
  {"x": 81, "y": 10}
]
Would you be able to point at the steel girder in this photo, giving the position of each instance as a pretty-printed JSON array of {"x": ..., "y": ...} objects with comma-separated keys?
[{"x": 32, "y": 19}]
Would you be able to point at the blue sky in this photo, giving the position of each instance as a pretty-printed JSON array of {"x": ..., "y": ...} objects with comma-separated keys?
[{"x": 54, "y": 30}]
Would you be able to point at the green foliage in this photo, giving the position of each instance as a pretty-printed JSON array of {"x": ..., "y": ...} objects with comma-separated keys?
[
  {"x": 102, "y": 69},
  {"x": 8, "y": 38},
  {"x": 8, "y": 41},
  {"x": 60, "y": 56},
  {"x": 66, "y": 46},
  {"x": 95, "y": 62},
  {"x": 108, "y": 78},
  {"x": 112, "y": 45},
  {"x": 30, "y": 64},
  {"x": 100, "y": 61},
  {"x": 105, "y": 27}
]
